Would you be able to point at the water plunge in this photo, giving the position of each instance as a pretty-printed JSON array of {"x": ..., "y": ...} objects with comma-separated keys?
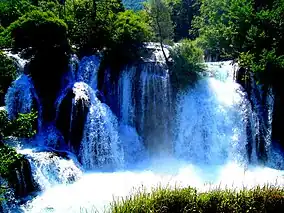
[{"x": 201, "y": 139}]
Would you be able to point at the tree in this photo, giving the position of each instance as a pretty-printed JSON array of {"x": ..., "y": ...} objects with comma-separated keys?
[
  {"x": 11, "y": 10},
  {"x": 160, "y": 14},
  {"x": 223, "y": 26},
  {"x": 183, "y": 12},
  {"x": 32, "y": 31},
  {"x": 92, "y": 28},
  {"x": 131, "y": 31}
]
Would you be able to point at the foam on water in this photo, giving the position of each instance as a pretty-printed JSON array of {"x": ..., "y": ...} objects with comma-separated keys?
[
  {"x": 210, "y": 140},
  {"x": 50, "y": 169},
  {"x": 95, "y": 191}
]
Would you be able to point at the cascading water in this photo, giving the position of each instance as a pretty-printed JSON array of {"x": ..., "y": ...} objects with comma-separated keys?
[
  {"x": 20, "y": 96},
  {"x": 100, "y": 147},
  {"x": 200, "y": 139},
  {"x": 211, "y": 119},
  {"x": 145, "y": 102},
  {"x": 20, "y": 62},
  {"x": 49, "y": 168}
]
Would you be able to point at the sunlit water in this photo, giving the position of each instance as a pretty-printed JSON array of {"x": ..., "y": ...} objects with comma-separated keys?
[
  {"x": 95, "y": 191},
  {"x": 209, "y": 144},
  {"x": 199, "y": 140}
]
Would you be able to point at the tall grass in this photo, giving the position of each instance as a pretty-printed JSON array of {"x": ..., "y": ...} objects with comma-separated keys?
[{"x": 260, "y": 199}]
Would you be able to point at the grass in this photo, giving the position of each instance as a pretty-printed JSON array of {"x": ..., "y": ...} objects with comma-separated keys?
[{"x": 260, "y": 199}]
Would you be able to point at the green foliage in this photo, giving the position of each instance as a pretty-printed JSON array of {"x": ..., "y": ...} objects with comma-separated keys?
[
  {"x": 11, "y": 10},
  {"x": 223, "y": 24},
  {"x": 8, "y": 73},
  {"x": 24, "y": 126},
  {"x": 246, "y": 30},
  {"x": 187, "y": 63},
  {"x": 8, "y": 160},
  {"x": 34, "y": 30},
  {"x": 160, "y": 15},
  {"x": 265, "y": 199},
  {"x": 130, "y": 26},
  {"x": 93, "y": 25},
  {"x": 130, "y": 32},
  {"x": 10, "y": 163},
  {"x": 183, "y": 12},
  {"x": 4, "y": 122}
]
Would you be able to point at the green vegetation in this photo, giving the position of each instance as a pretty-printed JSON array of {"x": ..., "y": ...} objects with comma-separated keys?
[
  {"x": 33, "y": 32},
  {"x": 8, "y": 160},
  {"x": 11, "y": 165},
  {"x": 24, "y": 126},
  {"x": 245, "y": 30},
  {"x": 8, "y": 73},
  {"x": 187, "y": 63},
  {"x": 266, "y": 199}
]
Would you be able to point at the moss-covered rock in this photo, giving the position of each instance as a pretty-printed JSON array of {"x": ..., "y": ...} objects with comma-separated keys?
[{"x": 16, "y": 170}]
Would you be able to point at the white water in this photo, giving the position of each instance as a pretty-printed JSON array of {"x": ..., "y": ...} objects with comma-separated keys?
[
  {"x": 211, "y": 121},
  {"x": 49, "y": 169},
  {"x": 19, "y": 97},
  {"x": 145, "y": 103},
  {"x": 100, "y": 146},
  {"x": 95, "y": 191},
  {"x": 209, "y": 144}
]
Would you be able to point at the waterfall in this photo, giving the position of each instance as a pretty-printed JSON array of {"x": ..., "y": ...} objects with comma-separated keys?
[
  {"x": 20, "y": 62},
  {"x": 88, "y": 71},
  {"x": 145, "y": 103},
  {"x": 211, "y": 123},
  {"x": 21, "y": 97},
  {"x": 100, "y": 147},
  {"x": 142, "y": 133},
  {"x": 217, "y": 123},
  {"x": 51, "y": 168}
]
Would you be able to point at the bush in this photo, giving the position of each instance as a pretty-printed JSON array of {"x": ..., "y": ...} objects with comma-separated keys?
[
  {"x": 4, "y": 122},
  {"x": 266, "y": 199},
  {"x": 187, "y": 63},
  {"x": 24, "y": 126},
  {"x": 10, "y": 10},
  {"x": 33, "y": 32},
  {"x": 8, "y": 73},
  {"x": 131, "y": 31},
  {"x": 8, "y": 160}
]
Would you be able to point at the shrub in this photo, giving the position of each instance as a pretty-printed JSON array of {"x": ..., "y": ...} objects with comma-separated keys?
[
  {"x": 24, "y": 126},
  {"x": 187, "y": 63},
  {"x": 131, "y": 31},
  {"x": 33, "y": 32},
  {"x": 8, "y": 160},
  {"x": 4, "y": 122}
]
